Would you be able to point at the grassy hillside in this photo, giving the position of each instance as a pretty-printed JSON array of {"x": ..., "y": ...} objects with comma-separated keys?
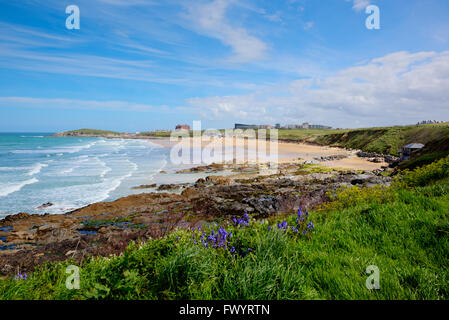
[
  {"x": 386, "y": 140},
  {"x": 159, "y": 134},
  {"x": 90, "y": 132},
  {"x": 402, "y": 229}
]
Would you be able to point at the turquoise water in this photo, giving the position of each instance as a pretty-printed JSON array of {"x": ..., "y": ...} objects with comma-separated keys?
[{"x": 71, "y": 172}]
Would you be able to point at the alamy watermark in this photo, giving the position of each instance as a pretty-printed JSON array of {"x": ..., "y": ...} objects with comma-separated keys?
[
  {"x": 73, "y": 280},
  {"x": 373, "y": 281},
  {"x": 73, "y": 20},
  {"x": 373, "y": 20},
  {"x": 238, "y": 146}
]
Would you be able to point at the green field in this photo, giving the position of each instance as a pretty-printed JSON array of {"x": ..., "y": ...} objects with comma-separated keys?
[
  {"x": 402, "y": 229},
  {"x": 92, "y": 132},
  {"x": 386, "y": 140}
]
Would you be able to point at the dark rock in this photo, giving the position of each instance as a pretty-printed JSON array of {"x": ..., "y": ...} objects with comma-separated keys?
[{"x": 45, "y": 205}]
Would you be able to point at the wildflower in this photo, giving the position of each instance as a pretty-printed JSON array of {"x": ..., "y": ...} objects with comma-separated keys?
[
  {"x": 283, "y": 225},
  {"x": 232, "y": 249},
  {"x": 21, "y": 276},
  {"x": 301, "y": 215},
  {"x": 244, "y": 220},
  {"x": 310, "y": 225}
]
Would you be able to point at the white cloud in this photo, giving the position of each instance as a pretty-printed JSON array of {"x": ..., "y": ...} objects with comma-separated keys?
[
  {"x": 308, "y": 25},
  {"x": 77, "y": 104},
  {"x": 401, "y": 87},
  {"x": 359, "y": 5},
  {"x": 210, "y": 19},
  {"x": 127, "y": 3}
]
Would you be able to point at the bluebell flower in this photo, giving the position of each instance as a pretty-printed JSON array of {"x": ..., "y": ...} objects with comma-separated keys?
[
  {"x": 21, "y": 276},
  {"x": 283, "y": 225}
]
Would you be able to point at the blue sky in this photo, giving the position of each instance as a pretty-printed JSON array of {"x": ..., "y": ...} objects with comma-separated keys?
[{"x": 138, "y": 65}]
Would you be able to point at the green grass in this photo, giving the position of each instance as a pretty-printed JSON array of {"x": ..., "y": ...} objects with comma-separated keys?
[
  {"x": 402, "y": 229},
  {"x": 385, "y": 140},
  {"x": 93, "y": 132}
]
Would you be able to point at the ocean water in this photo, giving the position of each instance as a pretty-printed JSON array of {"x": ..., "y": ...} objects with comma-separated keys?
[{"x": 72, "y": 172}]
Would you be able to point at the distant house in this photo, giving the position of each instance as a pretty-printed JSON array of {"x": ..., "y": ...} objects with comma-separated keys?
[
  {"x": 183, "y": 127},
  {"x": 307, "y": 125},
  {"x": 406, "y": 152},
  {"x": 318, "y": 126},
  {"x": 245, "y": 126}
]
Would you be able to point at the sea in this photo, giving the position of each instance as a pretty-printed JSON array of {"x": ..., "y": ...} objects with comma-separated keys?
[{"x": 72, "y": 172}]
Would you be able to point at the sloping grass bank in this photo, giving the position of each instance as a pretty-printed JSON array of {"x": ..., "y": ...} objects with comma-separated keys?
[
  {"x": 403, "y": 230},
  {"x": 387, "y": 140}
]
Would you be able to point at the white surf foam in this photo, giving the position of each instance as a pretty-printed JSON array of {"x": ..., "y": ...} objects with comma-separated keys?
[
  {"x": 9, "y": 188},
  {"x": 13, "y": 168},
  {"x": 36, "y": 168}
]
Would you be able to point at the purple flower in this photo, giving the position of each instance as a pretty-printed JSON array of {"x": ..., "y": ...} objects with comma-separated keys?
[
  {"x": 21, "y": 276},
  {"x": 239, "y": 221},
  {"x": 301, "y": 215},
  {"x": 283, "y": 225}
]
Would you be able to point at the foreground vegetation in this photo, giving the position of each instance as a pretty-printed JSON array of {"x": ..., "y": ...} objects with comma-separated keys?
[{"x": 402, "y": 229}]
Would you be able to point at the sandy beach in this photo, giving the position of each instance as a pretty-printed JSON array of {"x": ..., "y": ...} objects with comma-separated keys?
[{"x": 287, "y": 152}]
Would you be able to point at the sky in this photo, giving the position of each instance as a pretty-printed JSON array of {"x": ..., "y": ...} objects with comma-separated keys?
[{"x": 139, "y": 65}]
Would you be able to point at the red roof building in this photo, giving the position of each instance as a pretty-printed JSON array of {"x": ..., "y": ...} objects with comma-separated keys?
[{"x": 183, "y": 127}]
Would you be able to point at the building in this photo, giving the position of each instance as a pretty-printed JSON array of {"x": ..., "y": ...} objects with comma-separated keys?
[
  {"x": 245, "y": 126},
  {"x": 429, "y": 122},
  {"x": 183, "y": 127},
  {"x": 277, "y": 126},
  {"x": 318, "y": 126},
  {"x": 408, "y": 150},
  {"x": 307, "y": 125}
]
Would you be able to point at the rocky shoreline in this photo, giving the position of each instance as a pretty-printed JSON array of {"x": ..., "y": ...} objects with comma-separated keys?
[{"x": 101, "y": 229}]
